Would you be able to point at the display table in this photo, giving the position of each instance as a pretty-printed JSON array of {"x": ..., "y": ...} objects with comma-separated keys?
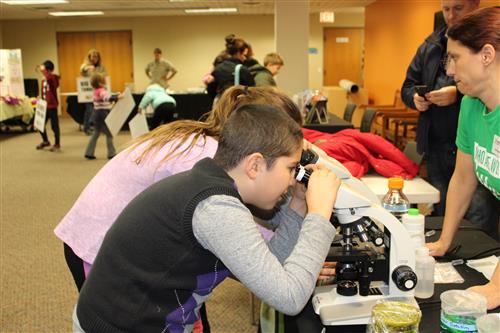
[
  {"x": 472, "y": 241},
  {"x": 189, "y": 106},
  {"x": 24, "y": 110},
  {"x": 334, "y": 125},
  {"x": 417, "y": 190}
]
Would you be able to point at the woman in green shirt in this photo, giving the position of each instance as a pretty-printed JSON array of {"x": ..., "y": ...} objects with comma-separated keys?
[{"x": 474, "y": 62}]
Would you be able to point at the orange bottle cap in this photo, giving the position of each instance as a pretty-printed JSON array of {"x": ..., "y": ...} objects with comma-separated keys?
[{"x": 396, "y": 183}]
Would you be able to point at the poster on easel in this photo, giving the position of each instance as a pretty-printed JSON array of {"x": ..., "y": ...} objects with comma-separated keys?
[
  {"x": 11, "y": 73},
  {"x": 40, "y": 114},
  {"x": 85, "y": 90}
]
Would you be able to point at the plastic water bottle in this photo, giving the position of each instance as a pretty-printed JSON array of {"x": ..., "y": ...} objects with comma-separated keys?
[
  {"x": 424, "y": 268},
  {"x": 395, "y": 201},
  {"x": 414, "y": 222}
]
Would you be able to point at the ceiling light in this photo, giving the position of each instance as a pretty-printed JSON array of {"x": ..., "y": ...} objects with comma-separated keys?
[
  {"x": 33, "y": 2},
  {"x": 210, "y": 10},
  {"x": 76, "y": 13}
]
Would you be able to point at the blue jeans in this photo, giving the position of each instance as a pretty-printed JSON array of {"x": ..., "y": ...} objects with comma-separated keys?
[
  {"x": 89, "y": 107},
  {"x": 484, "y": 208},
  {"x": 100, "y": 126}
]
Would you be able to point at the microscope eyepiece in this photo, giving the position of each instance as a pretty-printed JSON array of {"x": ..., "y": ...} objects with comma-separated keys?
[
  {"x": 302, "y": 174},
  {"x": 308, "y": 157}
]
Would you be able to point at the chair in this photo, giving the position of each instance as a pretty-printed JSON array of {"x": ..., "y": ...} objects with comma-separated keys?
[
  {"x": 349, "y": 111},
  {"x": 411, "y": 152},
  {"x": 367, "y": 120}
]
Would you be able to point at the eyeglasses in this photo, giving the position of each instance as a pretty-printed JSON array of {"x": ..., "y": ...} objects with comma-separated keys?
[{"x": 446, "y": 61}]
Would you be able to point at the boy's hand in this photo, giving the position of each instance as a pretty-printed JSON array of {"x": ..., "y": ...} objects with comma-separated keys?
[
  {"x": 327, "y": 271},
  {"x": 322, "y": 191},
  {"x": 120, "y": 95}
]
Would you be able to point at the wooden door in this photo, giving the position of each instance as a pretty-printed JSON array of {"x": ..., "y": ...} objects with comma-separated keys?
[
  {"x": 343, "y": 53},
  {"x": 116, "y": 54},
  {"x": 115, "y": 48}
]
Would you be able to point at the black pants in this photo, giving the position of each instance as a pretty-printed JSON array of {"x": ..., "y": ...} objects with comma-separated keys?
[
  {"x": 163, "y": 114},
  {"x": 54, "y": 123},
  {"x": 75, "y": 265}
]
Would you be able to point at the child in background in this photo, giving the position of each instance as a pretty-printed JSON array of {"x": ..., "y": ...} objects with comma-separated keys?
[
  {"x": 264, "y": 75},
  {"x": 49, "y": 94},
  {"x": 163, "y": 105},
  {"x": 103, "y": 102},
  {"x": 154, "y": 276}
]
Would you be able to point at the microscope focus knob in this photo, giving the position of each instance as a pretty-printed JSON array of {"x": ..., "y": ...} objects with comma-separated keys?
[
  {"x": 404, "y": 278},
  {"x": 347, "y": 288}
]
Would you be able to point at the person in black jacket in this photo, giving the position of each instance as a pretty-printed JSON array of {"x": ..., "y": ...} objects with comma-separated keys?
[
  {"x": 439, "y": 109},
  {"x": 224, "y": 71}
]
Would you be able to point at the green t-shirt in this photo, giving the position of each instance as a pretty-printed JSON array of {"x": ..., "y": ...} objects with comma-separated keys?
[{"x": 479, "y": 135}]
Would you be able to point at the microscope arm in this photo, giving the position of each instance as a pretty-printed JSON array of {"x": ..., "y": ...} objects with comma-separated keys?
[{"x": 343, "y": 173}]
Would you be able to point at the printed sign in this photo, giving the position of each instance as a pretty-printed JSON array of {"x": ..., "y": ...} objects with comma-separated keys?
[
  {"x": 40, "y": 114},
  {"x": 11, "y": 73},
  {"x": 85, "y": 89}
]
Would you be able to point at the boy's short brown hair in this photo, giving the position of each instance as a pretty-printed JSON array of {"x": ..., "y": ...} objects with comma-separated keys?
[
  {"x": 273, "y": 59},
  {"x": 257, "y": 128},
  {"x": 97, "y": 80}
]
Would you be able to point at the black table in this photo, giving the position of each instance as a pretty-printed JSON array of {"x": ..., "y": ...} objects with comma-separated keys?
[
  {"x": 189, "y": 106},
  {"x": 472, "y": 241},
  {"x": 334, "y": 124}
]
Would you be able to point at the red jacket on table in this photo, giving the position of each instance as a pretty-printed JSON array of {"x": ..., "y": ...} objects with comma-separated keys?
[
  {"x": 49, "y": 89},
  {"x": 358, "y": 151}
]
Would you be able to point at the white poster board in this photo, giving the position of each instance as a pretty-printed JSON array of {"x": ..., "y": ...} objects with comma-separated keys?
[
  {"x": 138, "y": 125},
  {"x": 40, "y": 114},
  {"x": 85, "y": 90},
  {"x": 120, "y": 112},
  {"x": 11, "y": 73}
]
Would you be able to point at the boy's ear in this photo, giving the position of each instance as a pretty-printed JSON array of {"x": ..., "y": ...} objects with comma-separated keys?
[{"x": 253, "y": 164}]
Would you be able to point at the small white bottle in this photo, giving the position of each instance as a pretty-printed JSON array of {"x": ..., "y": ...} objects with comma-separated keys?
[
  {"x": 424, "y": 268},
  {"x": 414, "y": 222}
]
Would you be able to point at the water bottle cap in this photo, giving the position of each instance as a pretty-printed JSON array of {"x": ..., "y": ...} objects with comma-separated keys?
[
  {"x": 396, "y": 183},
  {"x": 413, "y": 211}
]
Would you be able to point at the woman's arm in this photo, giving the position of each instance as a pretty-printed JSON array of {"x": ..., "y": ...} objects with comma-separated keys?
[{"x": 462, "y": 185}]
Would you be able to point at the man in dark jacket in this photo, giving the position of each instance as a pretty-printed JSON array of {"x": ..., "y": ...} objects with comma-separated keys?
[{"x": 439, "y": 109}]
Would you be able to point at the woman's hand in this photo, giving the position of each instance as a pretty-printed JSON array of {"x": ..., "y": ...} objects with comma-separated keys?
[
  {"x": 438, "y": 249},
  {"x": 491, "y": 292}
]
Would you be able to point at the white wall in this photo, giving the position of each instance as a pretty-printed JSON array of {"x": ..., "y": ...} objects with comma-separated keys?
[{"x": 189, "y": 42}]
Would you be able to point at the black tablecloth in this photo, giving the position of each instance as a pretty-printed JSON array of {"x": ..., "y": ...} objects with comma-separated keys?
[
  {"x": 189, "y": 106},
  {"x": 472, "y": 243},
  {"x": 335, "y": 124}
]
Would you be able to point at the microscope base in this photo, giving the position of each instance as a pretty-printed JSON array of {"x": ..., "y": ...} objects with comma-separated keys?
[{"x": 336, "y": 310}]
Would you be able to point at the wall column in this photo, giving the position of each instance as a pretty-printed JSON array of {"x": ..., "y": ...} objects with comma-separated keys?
[{"x": 291, "y": 35}]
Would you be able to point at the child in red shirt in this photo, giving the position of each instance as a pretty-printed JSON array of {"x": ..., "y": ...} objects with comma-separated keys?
[{"x": 49, "y": 94}]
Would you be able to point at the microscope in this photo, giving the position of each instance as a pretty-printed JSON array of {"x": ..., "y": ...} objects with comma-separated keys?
[{"x": 374, "y": 258}]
